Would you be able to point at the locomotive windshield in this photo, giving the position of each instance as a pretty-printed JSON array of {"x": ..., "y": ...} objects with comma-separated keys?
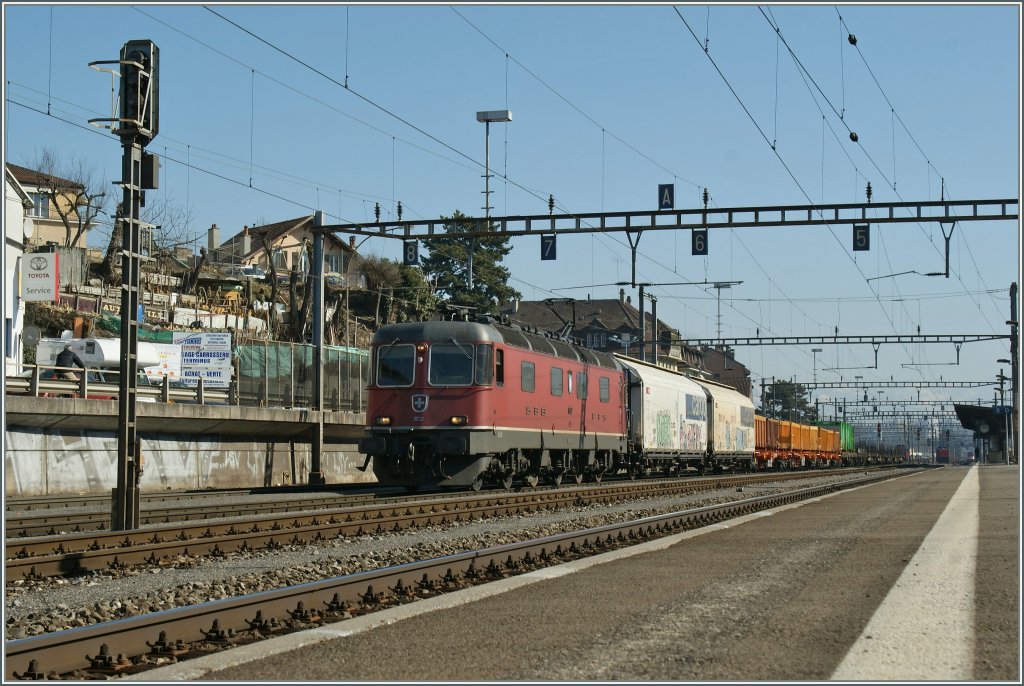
[
  {"x": 451, "y": 364},
  {"x": 395, "y": 365}
]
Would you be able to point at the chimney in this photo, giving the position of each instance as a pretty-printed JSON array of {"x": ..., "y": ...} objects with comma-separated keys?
[
  {"x": 246, "y": 241},
  {"x": 629, "y": 300},
  {"x": 352, "y": 242},
  {"x": 622, "y": 295},
  {"x": 213, "y": 241}
]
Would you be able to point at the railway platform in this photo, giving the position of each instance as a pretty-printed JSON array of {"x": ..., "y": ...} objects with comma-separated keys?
[{"x": 916, "y": 578}]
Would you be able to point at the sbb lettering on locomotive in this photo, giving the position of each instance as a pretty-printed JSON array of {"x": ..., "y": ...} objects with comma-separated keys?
[{"x": 538, "y": 411}]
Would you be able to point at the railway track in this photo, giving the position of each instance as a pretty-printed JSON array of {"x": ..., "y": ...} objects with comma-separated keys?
[
  {"x": 72, "y": 553},
  {"x": 135, "y": 644}
]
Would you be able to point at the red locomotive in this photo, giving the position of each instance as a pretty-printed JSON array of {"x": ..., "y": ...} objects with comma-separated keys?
[{"x": 457, "y": 403}]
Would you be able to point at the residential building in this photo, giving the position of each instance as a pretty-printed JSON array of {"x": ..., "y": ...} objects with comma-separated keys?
[
  {"x": 608, "y": 325},
  {"x": 48, "y": 227},
  {"x": 19, "y": 226},
  {"x": 286, "y": 241},
  {"x": 721, "y": 363}
]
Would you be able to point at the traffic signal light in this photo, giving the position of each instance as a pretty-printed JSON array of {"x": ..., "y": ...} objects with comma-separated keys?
[{"x": 140, "y": 81}]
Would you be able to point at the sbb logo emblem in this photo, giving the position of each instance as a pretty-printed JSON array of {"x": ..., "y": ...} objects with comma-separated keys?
[
  {"x": 38, "y": 263},
  {"x": 419, "y": 403}
]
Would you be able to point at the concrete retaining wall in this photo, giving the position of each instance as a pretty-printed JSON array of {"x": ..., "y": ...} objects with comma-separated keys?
[{"x": 51, "y": 462}]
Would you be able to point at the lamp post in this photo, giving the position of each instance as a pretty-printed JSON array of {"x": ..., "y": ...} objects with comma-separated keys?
[
  {"x": 1006, "y": 424},
  {"x": 486, "y": 117},
  {"x": 718, "y": 286}
]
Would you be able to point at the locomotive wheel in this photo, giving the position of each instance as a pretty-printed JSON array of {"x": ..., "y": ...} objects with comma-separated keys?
[
  {"x": 506, "y": 482},
  {"x": 556, "y": 479},
  {"x": 598, "y": 476},
  {"x": 532, "y": 480},
  {"x": 477, "y": 484},
  {"x": 578, "y": 478}
]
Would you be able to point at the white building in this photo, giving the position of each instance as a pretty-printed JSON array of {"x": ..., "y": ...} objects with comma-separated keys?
[{"x": 18, "y": 227}]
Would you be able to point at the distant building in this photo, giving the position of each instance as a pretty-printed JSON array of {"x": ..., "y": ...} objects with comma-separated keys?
[
  {"x": 722, "y": 365},
  {"x": 608, "y": 325},
  {"x": 19, "y": 226},
  {"x": 48, "y": 228},
  {"x": 286, "y": 240}
]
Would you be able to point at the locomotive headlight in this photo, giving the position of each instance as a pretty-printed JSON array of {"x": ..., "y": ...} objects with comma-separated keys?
[
  {"x": 421, "y": 347},
  {"x": 458, "y": 420},
  {"x": 382, "y": 421}
]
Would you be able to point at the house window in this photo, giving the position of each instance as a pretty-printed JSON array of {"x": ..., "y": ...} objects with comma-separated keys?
[
  {"x": 333, "y": 263},
  {"x": 9, "y": 337},
  {"x": 40, "y": 205}
]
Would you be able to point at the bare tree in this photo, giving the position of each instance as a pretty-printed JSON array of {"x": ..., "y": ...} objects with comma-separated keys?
[
  {"x": 74, "y": 190},
  {"x": 269, "y": 252},
  {"x": 171, "y": 231}
]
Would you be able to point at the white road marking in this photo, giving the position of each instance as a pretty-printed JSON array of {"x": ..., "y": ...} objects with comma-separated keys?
[{"x": 924, "y": 628}]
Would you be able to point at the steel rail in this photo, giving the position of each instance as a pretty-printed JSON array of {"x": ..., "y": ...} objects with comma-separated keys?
[
  {"x": 109, "y": 648},
  {"x": 64, "y": 555}
]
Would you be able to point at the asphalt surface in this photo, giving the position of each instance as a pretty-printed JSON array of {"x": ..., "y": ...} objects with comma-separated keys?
[{"x": 801, "y": 593}]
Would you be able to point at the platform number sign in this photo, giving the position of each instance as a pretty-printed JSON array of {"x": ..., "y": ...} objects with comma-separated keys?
[
  {"x": 548, "y": 249},
  {"x": 861, "y": 236},
  {"x": 666, "y": 196},
  {"x": 410, "y": 253},
  {"x": 700, "y": 242}
]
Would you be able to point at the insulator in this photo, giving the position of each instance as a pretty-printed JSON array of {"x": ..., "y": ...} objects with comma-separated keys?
[
  {"x": 705, "y": 198},
  {"x": 376, "y": 211},
  {"x": 853, "y": 136},
  {"x": 399, "y": 210},
  {"x": 551, "y": 204},
  {"x": 852, "y": 38}
]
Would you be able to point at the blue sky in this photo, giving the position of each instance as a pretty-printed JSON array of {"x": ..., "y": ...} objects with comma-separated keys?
[{"x": 607, "y": 103}]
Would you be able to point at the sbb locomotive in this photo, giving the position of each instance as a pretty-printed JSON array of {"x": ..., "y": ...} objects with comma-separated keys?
[{"x": 459, "y": 403}]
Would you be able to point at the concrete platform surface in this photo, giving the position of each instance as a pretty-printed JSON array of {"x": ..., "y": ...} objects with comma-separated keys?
[{"x": 916, "y": 578}]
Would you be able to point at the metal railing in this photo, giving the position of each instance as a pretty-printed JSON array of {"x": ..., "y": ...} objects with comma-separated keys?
[{"x": 273, "y": 375}]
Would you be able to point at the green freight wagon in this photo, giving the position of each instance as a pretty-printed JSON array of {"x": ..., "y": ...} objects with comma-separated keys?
[{"x": 846, "y": 444}]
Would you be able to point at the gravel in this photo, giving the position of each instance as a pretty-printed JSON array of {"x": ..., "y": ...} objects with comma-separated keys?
[{"x": 36, "y": 607}]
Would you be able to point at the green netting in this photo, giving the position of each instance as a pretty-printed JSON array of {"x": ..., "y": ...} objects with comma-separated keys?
[{"x": 112, "y": 324}]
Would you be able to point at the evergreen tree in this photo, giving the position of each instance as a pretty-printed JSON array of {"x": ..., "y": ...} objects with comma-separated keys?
[
  {"x": 447, "y": 265},
  {"x": 788, "y": 400}
]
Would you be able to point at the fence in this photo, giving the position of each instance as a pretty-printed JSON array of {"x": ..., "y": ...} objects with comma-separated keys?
[{"x": 281, "y": 375}]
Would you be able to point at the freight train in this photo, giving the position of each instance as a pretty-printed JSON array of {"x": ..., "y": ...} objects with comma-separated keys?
[{"x": 464, "y": 403}]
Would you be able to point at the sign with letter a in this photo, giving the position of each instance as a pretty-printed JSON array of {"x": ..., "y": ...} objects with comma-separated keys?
[{"x": 666, "y": 196}]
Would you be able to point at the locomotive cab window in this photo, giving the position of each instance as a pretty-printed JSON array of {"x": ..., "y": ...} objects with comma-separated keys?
[
  {"x": 499, "y": 366},
  {"x": 527, "y": 377},
  {"x": 605, "y": 393},
  {"x": 451, "y": 364},
  {"x": 581, "y": 386},
  {"x": 395, "y": 365},
  {"x": 484, "y": 364}
]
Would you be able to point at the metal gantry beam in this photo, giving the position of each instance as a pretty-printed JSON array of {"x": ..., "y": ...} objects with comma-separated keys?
[
  {"x": 955, "y": 339},
  {"x": 698, "y": 218},
  {"x": 853, "y": 383}
]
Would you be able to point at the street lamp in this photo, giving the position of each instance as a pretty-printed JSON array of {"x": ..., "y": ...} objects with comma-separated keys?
[
  {"x": 718, "y": 286},
  {"x": 486, "y": 117},
  {"x": 1002, "y": 408},
  {"x": 814, "y": 352}
]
